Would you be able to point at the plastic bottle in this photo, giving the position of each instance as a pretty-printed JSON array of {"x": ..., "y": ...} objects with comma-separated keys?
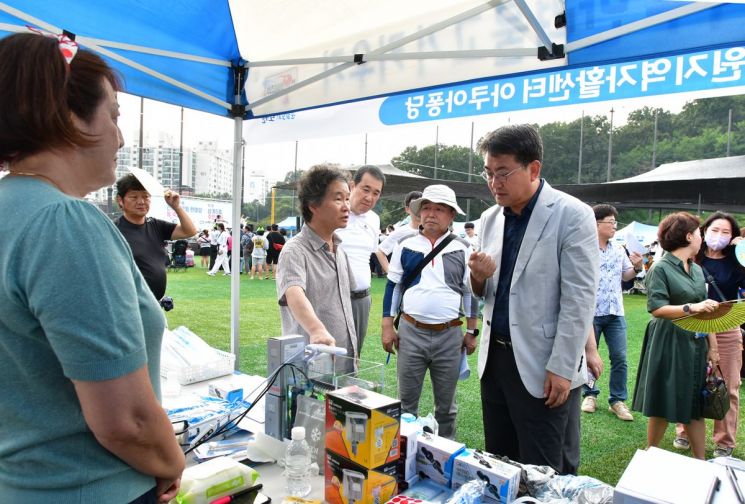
[{"x": 297, "y": 465}]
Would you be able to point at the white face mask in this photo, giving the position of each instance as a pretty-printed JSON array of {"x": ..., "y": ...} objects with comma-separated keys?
[{"x": 716, "y": 241}]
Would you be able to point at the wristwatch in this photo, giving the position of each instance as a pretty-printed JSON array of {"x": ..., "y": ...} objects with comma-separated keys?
[
  {"x": 687, "y": 308},
  {"x": 474, "y": 332}
]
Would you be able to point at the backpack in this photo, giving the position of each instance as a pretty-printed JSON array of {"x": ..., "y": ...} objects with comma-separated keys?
[{"x": 247, "y": 242}]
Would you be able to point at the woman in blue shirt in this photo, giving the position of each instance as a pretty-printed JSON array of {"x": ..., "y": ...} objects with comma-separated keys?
[{"x": 80, "y": 331}]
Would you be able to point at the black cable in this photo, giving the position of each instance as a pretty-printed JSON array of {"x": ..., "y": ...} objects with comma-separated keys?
[{"x": 270, "y": 381}]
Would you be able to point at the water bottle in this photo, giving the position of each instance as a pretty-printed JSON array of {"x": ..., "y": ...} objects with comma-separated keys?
[{"x": 297, "y": 465}]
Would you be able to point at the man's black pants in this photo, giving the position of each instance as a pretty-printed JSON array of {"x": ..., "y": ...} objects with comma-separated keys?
[{"x": 522, "y": 427}]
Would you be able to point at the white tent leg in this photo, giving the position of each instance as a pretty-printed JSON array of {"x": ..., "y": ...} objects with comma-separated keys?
[{"x": 235, "y": 260}]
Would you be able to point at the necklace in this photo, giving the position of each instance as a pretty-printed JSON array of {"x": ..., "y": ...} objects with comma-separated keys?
[{"x": 35, "y": 175}]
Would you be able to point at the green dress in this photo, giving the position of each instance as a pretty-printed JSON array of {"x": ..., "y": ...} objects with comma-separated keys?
[{"x": 672, "y": 366}]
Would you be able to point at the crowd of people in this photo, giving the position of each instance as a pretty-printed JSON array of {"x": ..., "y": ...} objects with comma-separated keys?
[{"x": 542, "y": 274}]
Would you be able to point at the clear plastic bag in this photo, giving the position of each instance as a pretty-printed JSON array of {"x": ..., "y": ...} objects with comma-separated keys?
[{"x": 469, "y": 493}]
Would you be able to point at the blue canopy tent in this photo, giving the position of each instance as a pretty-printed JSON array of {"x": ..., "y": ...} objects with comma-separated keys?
[{"x": 254, "y": 60}]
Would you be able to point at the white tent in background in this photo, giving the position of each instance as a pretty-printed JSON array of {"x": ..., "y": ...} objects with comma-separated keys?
[{"x": 645, "y": 233}]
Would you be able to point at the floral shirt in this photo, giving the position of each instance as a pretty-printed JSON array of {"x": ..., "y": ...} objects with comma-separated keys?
[{"x": 613, "y": 262}]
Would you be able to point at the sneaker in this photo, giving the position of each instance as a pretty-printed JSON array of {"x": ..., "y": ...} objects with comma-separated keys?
[
  {"x": 589, "y": 404},
  {"x": 723, "y": 451},
  {"x": 681, "y": 443},
  {"x": 620, "y": 409},
  {"x": 210, "y": 274}
]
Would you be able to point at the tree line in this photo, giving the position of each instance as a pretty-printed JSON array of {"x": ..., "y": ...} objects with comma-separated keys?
[{"x": 698, "y": 131}]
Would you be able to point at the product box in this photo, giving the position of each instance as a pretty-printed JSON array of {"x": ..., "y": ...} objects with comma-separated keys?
[
  {"x": 229, "y": 391},
  {"x": 435, "y": 456},
  {"x": 363, "y": 426},
  {"x": 656, "y": 476},
  {"x": 407, "y": 461},
  {"x": 427, "y": 491},
  {"x": 349, "y": 483},
  {"x": 502, "y": 479}
]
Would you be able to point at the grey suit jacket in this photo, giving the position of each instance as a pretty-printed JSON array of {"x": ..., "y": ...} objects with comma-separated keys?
[{"x": 552, "y": 294}]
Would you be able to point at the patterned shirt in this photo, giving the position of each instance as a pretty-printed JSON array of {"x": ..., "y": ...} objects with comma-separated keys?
[
  {"x": 613, "y": 263},
  {"x": 324, "y": 276}
]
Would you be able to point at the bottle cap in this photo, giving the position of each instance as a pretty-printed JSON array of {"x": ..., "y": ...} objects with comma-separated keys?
[
  {"x": 298, "y": 433},
  {"x": 408, "y": 417}
]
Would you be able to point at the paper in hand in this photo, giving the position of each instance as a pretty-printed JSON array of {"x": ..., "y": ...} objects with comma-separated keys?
[
  {"x": 632, "y": 243},
  {"x": 149, "y": 182}
]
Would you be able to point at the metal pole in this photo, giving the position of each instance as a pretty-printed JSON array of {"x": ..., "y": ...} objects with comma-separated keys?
[
  {"x": 437, "y": 147},
  {"x": 142, "y": 120},
  {"x": 181, "y": 154},
  {"x": 294, "y": 186},
  {"x": 365, "y": 148},
  {"x": 654, "y": 142},
  {"x": 581, "y": 141},
  {"x": 729, "y": 130},
  {"x": 610, "y": 145},
  {"x": 470, "y": 171}
]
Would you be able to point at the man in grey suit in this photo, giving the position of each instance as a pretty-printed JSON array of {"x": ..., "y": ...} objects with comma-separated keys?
[{"x": 538, "y": 272}]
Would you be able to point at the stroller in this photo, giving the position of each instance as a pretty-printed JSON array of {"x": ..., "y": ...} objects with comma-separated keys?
[{"x": 178, "y": 255}]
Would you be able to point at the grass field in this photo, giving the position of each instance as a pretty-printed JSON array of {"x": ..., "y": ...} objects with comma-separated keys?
[{"x": 202, "y": 304}]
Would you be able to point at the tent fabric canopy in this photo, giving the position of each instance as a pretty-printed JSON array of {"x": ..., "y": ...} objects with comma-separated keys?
[{"x": 200, "y": 53}]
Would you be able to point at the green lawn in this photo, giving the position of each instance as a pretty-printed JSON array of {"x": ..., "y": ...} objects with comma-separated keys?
[{"x": 202, "y": 303}]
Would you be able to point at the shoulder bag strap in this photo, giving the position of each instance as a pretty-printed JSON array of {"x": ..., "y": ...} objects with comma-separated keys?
[
  {"x": 710, "y": 278},
  {"x": 408, "y": 279}
]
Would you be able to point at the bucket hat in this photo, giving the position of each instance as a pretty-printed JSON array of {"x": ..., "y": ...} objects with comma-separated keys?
[{"x": 437, "y": 193}]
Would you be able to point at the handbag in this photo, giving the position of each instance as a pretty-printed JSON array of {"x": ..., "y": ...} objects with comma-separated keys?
[
  {"x": 409, "y": 279},
  {"x": 715, "y": 396}
]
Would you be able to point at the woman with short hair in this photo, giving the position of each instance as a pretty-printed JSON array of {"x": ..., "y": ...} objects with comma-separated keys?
[
  {"x": 80, "y": 331},
  {"x": 672, "y": 367}
]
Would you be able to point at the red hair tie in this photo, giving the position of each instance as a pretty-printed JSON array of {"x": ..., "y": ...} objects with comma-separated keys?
[{"x": 65, "y": 41}]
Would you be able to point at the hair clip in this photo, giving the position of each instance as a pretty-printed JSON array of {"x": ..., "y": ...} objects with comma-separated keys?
[{"x": 65, "y": 41}]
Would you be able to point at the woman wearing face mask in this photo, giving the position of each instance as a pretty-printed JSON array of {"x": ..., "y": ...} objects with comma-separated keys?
[{"x": 717, "y": 257}]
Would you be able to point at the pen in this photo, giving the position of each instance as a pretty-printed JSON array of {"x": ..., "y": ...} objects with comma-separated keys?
[
  {"x": 231, "y": 498},
  {"x": 714, "y": 488},
  {"x": 388, "y": 359},
  {"x": 733, "y": 480}
]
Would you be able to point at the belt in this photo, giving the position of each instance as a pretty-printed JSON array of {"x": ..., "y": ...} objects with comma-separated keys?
[
  {"x": 507, "y": 344},
  {"x": 360, "y": 294},
  {"x": 432, "y": 327}
]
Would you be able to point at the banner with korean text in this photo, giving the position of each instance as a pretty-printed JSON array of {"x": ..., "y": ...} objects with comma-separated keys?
[{"x": 719, "y": 68}]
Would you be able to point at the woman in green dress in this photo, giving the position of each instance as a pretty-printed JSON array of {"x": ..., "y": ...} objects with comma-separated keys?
[{"x": 673, "y": 361}]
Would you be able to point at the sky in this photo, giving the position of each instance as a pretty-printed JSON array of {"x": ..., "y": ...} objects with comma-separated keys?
[{"x": 274, "y": 160}]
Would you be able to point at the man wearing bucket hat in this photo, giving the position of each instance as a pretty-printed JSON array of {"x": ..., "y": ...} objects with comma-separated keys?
[
  {"x": 430, "y": 335},
  {"x": 538, "y": 272}
]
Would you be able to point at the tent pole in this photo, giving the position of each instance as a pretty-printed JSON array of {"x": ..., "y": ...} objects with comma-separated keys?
[
  {"x": 535, "y": 24},
  {"x": 463, "y": 54},
  {"x": 235, "y": 260}
]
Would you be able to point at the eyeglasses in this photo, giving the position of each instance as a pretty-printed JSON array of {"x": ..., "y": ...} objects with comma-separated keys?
[
  {"x": 501, "y": 176},
  {"x": 611, "y": 222}
]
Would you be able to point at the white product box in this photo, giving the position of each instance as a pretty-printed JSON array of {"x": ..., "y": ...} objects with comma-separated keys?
[
  {"x": 435, "y": 456},
  {"x": 502, "y": 479}
]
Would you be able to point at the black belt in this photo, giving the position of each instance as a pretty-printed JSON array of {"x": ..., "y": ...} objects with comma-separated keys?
[{"x": 360, "y": 294}]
